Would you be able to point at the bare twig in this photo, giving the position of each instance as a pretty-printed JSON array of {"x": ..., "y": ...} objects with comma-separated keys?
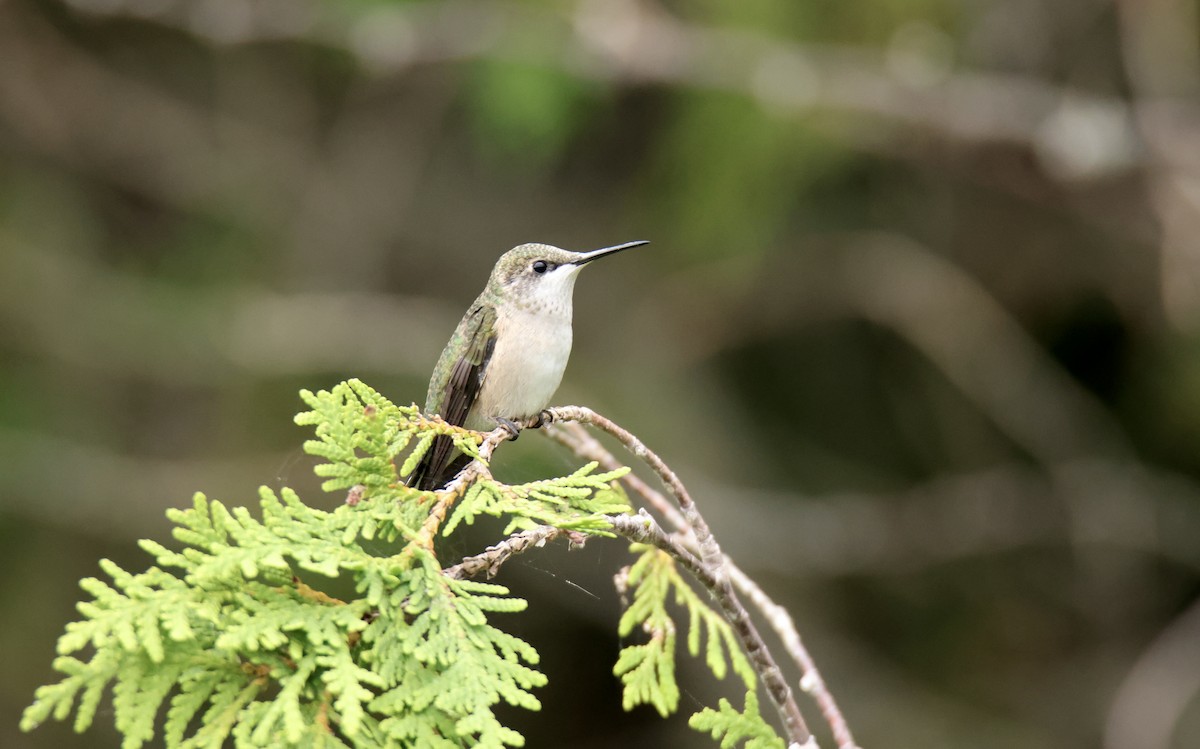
[
  {"x": 710, "y": 552},
  {"x": 710, "y": 569},
  {"x": 493, "y": 556},
  {"x": 811, "y": 680},
  {"x": 577, "y": 439},
  {"x": 573, "y": 436},
  {"x": 642, "y": 528}
]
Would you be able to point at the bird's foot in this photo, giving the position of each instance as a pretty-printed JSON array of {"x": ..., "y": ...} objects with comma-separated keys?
[
  {"x": 543, "y": 418},
  {"x": 509, "y": 426}
]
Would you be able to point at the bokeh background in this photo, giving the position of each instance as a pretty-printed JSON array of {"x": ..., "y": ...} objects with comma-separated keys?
[{"x": 919, "y": 326}]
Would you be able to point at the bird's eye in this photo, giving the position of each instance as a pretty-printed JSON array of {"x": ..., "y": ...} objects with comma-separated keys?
[{"x": 540, "y": 266}]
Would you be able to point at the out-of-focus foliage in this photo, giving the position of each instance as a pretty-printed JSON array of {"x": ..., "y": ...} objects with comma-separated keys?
[{"x": 919, "y": 323}]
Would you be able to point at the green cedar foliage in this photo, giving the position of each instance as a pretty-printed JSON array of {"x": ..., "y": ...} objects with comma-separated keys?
[
  {"x": 231, "y": 640},
  {"x": 731, "y": 727}
]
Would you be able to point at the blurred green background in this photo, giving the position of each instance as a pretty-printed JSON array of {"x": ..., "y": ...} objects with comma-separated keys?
[{"x": 919, "y": 326}]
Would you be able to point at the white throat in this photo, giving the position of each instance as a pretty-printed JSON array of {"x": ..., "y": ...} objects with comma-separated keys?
[{"x": 550, "y": 295}]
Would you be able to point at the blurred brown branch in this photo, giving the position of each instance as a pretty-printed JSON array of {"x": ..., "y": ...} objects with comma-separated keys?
[
  {"x": 80, "y": 312},
  {"x": 938, "y": 309},
  {"x": 636, "y": 41},
  {"x": 1161, "y": 55},
  {"x": 1163, "y": 682}
]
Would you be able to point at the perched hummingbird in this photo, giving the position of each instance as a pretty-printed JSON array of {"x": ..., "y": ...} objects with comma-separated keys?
[{"x": 507, "y": 356}]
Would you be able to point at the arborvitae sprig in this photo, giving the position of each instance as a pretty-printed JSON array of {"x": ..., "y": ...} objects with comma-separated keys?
[
  {"x": 731, "y": 727},
  {"x": 238, "y": 641},
  {"x": 237, "y": 636},
  {"x": 575, "y": 502},
  {"x": 648, "y": 669}
]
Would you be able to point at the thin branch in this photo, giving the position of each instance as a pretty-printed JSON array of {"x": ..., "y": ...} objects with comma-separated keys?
[
  {"x": 640, "y": 528},
  {"x": 811, "y": 680},
  {"x": 643, "y": 529},
  {"x": 710, "y": 552},
  {"x": 709, "y": 569},
  {"x": 575, "y": 437},
  {"x": 492, "y": 557}
]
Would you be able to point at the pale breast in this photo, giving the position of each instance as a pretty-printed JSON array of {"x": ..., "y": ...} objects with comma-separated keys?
[{"x": 526, "y": 367}]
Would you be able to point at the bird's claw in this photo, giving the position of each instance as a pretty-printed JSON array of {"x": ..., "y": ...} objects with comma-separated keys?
[
  {"x": 543, "y": 418},
  {"x": 509, "y": 426}
]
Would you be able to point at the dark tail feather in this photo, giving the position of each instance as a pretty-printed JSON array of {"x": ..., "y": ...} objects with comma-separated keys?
[{"x": 441, "y": 464}]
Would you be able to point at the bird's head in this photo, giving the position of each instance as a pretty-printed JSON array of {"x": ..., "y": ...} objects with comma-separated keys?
[{"x": 541, "y": 276}]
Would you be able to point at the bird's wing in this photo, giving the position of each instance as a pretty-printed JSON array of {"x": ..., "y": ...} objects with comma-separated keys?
[{"x": 452, "y": 392}]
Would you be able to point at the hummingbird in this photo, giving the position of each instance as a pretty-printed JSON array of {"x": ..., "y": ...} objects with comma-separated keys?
[{"x": 507, "y": 355}]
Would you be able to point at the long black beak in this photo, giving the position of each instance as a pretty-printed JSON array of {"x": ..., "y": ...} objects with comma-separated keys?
[{"x": 590, "y": 256}]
